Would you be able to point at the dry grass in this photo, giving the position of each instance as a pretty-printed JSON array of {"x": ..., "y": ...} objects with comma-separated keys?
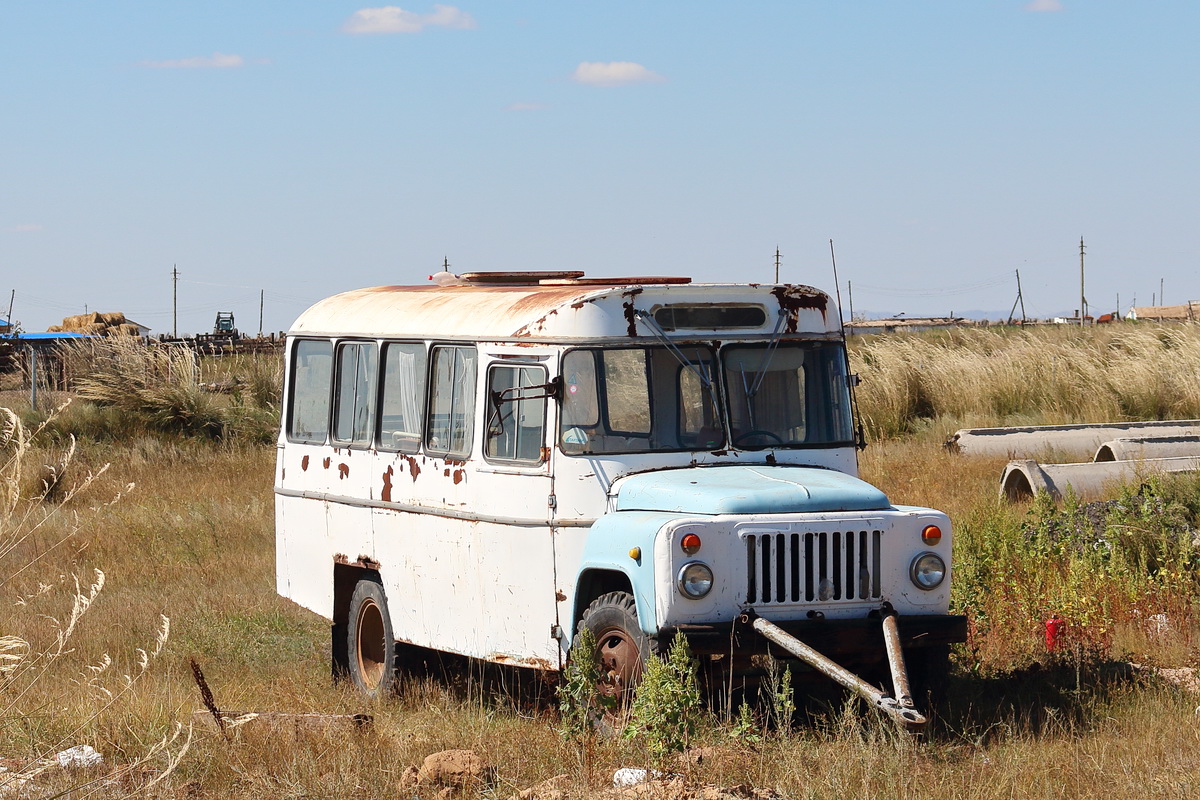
[
  {"x": 193, "y": 539},
  {"x": 1044, "y": 375}
]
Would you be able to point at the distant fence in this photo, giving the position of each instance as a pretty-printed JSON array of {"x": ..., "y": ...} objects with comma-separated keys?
[{"x": 39, "y": 365}]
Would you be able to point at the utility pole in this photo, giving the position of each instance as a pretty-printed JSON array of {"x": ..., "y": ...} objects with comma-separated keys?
[
  {"x": 850, "y": 297},
  {"x": 175, "y": 301},
  {"x": 1082, "y": 299},
  {"x": 1162, "y": 298},
  {"x": 1020, "y": 299},
  {"x": 776, "y": 263},
  {"x": 260, "y": 310},
  {"x": 8, "y": 319}
]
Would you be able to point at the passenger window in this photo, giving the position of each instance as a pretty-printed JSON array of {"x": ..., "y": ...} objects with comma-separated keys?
[
  {"x": 451, "y": 402},
  {"x": 356, "y": 374},
  {"x": 517, "y": 416},
  {"x": 312, "y": 363},
  {"x": 403, "y": 396}
]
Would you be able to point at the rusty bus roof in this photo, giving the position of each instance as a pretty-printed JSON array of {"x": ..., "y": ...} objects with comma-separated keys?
[{"x": 538, "y": 312}]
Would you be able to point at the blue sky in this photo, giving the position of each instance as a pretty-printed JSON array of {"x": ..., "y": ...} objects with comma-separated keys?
[{"x": 303, "y": 148}]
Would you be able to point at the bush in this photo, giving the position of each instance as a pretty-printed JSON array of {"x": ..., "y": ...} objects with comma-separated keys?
[{"x": 667, "y": 710}]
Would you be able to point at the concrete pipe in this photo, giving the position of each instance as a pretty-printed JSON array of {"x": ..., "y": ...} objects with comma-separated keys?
[
  {"x": 1069, "y": 441},
  {"x": 1024, "y": 478},
  {"x": 1138, "y": 447}
]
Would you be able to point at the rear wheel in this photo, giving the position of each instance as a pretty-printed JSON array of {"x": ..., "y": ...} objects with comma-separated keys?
[
  {"x": 370, "y": 645},
  {"x": 622, "y": 647}
]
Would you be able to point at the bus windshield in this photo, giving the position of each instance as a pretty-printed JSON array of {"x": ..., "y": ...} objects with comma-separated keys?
[
  {"x": 794, "y": 395},
  {"x": 655, "y": 399}
]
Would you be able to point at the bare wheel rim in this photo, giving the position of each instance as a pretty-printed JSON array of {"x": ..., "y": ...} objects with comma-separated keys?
[
  {"x": 371, "y": 648},
  {"x": 620, "y": 661}
]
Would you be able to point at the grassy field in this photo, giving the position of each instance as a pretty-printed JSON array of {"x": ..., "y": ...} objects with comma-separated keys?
[{"x": 181, "y": 526}]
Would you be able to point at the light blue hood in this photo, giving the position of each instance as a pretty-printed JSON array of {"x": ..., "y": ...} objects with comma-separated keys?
[{"x": 746, "y": 489}]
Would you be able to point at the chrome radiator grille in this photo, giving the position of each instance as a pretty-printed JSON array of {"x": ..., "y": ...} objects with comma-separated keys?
[{"x": 812, "y": 566}]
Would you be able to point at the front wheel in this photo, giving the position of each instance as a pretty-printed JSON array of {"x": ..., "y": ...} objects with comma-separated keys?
[
  {"x": 622, "y": 647},
  {"x": 370, "y": 645}
]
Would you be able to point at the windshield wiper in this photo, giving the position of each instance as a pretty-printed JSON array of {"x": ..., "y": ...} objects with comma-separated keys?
[{"x": 700, "y": 370}]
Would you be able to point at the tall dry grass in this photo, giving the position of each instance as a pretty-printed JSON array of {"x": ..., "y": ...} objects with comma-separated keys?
[
  {"x": 51, "y": 700},
  {"x": 194, "y": 540},
  {"x": 1043, "y": 375},
  {"x": 130, "y": 388}
]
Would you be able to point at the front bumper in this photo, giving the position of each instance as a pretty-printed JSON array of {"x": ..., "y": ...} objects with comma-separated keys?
[{"x": 857, "y": 641}]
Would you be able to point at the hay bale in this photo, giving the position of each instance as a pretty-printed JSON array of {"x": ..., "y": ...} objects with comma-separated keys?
[
  {"x": 124, "y": 329},
  {"x": 54, "y": 329},
  {"x": 96, "y": 328},
  {"x": 112, "y": 318},
  {"x": 79, "y": 321}
]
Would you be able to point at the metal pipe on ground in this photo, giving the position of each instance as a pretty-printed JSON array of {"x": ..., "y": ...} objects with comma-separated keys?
[
  {"x": 1140, "y": 447},
  {"x": 907, "y": 716},
  {"x": 1024, "y": 478},
  {"x": 1071, "y": 441}
]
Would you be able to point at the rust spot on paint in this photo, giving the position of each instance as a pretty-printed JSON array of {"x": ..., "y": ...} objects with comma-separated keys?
[
  {"x": 545, "y": 454},
  {"x": 304, "y": 464},
  {"x": 413, "y": 468},
  {"x": 793, "y": 299},
  {"x": 365, "y": 562},
  {"x": 559, "y": 596},
  {"x": 459, "y": 475},
  {"x": 386, "y": 494},
  {"x": 770, "y": 458},
  {"x": 343, "y": 471},
  {"x": 327, "y": 462},
  {"x": 446, "y": 472},
  {"x": 630, "y": 311}
]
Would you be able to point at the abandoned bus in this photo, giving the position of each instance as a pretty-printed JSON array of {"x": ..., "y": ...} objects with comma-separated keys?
[{"x": 488, "y": 467}]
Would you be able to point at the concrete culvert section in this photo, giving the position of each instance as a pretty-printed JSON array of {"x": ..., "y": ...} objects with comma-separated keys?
[
  {"x": 1141, "y": 447},
  {"x": 1024, "y": 478},
  {"x": 1072, "y": 441}
]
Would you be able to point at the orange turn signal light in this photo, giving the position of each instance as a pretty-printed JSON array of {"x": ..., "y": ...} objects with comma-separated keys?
[
  {"x": 690, "y": 544},
  {"x": 931, "y": 535}
]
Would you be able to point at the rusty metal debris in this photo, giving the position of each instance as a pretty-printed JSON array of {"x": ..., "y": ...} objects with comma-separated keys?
[
  {"x": 226, "y": 720},
  {"x": 904, "y": 714}
]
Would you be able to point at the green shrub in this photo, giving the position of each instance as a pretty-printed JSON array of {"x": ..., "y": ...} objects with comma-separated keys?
[{"x": 667, "y": 710}]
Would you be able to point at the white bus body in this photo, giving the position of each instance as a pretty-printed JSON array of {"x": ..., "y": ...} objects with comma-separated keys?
[{"x": 479, "y": 468}]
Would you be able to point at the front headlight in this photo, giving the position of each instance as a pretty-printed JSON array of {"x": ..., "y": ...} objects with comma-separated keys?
[
  {"x": 927, "y": 571},
  {"x": 695, "y": 580}
]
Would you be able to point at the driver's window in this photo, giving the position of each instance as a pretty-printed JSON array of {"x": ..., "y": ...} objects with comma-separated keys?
[{"x": 516, "y": 414}]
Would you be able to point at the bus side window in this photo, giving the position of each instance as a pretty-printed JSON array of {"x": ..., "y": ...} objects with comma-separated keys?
[
  {"x": 450, "y": 429},
  {"x": 356, "y": 372},
  {"x": 312, "y": 363},
  {"x": 517, "y": 423},
  {"x": 403, "y": 396}
]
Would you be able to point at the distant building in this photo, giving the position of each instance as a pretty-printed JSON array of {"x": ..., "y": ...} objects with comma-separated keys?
[
  {"x": 1188, "y": 312},
  {"x": 913, "y": 324}
]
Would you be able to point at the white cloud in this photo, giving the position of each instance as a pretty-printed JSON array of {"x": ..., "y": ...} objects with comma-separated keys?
[
  {"x": 215, "y": 61},
  {"x": 393, "y": 19},
  {"x": 525, "y": 107},
  {"x": 614, "y": 73},
  {"x": 1044, "y": 5},
  {"x": 28, "y": 227}
]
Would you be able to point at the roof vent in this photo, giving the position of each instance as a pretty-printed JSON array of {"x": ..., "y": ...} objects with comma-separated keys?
[
  {"x": 637, "y": 280},
  {"x": 530, "y": 278}
]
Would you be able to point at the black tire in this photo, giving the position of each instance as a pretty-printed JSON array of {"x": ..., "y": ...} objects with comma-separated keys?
[
  {"x": 622, "y": 647},
  {"x": 370, "y": 645}
]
